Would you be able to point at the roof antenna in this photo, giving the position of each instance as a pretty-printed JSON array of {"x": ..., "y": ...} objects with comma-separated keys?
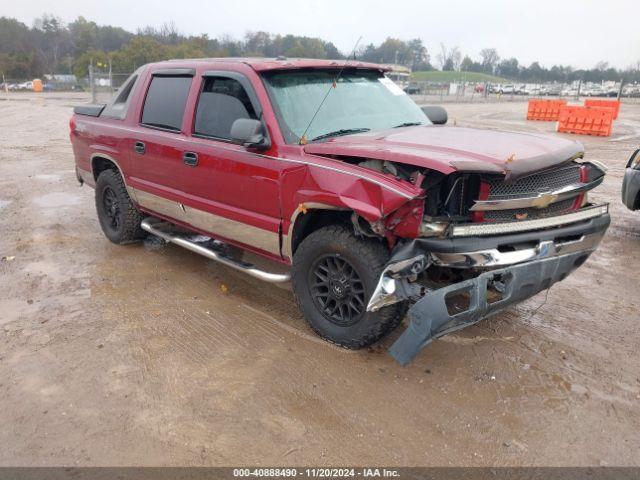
[{"x": 334, "y": 84}]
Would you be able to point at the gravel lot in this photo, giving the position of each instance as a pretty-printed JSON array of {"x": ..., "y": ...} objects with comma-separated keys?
[{"x": 152, "y": 355}]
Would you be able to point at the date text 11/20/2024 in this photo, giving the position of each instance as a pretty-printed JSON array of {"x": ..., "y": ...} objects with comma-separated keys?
[{"x": 316, "y": 472}]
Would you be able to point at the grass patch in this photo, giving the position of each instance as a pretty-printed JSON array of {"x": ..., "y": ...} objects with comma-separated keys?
[{"x": 438, "y": 76}]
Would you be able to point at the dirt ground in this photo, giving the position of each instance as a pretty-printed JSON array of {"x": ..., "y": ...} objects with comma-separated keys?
[{"x": 152, "y": 355}]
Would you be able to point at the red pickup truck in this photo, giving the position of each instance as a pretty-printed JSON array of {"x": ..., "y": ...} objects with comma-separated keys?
[{"x": 330, "y": 168}]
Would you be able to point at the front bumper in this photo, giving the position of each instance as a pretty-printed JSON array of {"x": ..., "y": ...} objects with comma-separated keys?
[
  {"x": 525, "y": 263},
  {"x": 494, "y": 257},
  {"x": 631, "y": 189},
  {"x": 429, "y": 318}
]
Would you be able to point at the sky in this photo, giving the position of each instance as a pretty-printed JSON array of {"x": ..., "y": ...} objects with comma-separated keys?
[{"x": 569, "y": 32}]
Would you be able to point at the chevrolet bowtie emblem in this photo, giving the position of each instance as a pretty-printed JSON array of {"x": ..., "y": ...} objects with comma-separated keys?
[{"x": 544, "y": 200}]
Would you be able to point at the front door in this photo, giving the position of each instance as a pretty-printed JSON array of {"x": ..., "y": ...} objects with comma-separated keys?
[{"x": 231, "y": 192}]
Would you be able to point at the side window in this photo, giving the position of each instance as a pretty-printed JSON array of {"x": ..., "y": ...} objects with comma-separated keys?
[
  {"x": 117, "y": 108},
  {"x": 165, "y": 102},
  {"x": 222, "y": 101}
]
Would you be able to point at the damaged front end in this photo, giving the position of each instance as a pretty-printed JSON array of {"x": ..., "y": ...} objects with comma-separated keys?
[
  {"x": 435, "y": 314},
  {"x": 488, "y": 245}
]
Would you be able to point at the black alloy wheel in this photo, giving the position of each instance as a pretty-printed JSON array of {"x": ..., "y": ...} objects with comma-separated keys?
[
  {"x": 337, "y": 290},
  {"x": 111, "y": 208},
  {"x": 334, "y": 273}
]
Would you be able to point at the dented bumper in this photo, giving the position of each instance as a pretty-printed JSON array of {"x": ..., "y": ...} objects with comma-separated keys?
[
  {"x": 429, "y": 317},
  {"x": 515, "y": 267}
]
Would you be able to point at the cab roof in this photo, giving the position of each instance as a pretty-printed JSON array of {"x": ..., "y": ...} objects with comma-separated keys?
[{"x": 281, "y": 63}]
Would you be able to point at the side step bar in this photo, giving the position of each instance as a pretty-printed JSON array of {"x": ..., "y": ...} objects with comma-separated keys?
[{"x": 155, "y": 226}]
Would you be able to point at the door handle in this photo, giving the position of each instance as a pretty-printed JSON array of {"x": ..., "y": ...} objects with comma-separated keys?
[
  {"x": 190, "y": 159},
  {"x": 140, "y": 148}
]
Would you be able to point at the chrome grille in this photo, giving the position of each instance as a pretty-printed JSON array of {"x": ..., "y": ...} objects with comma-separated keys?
[
  {"x": 534, "y": 184},
  {"x": 531, "y": 213}
]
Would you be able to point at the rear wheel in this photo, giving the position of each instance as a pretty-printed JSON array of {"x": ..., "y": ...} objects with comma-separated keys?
[
  {"x": 118, "y": 216},
  {"x": 334, "y": 274}
]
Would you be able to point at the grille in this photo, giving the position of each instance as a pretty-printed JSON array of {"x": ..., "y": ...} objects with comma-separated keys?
[
  {"x": 532, "y": 213},
  {"x": 534, "y": 184}
]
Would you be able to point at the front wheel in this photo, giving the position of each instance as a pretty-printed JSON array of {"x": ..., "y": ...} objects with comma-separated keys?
[{"x": 334, "y": 274}]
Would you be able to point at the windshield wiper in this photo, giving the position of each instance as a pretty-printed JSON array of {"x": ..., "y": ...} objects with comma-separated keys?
[
  {"x": 408, "y": 124},
  {"x": 342, "y": 131}
]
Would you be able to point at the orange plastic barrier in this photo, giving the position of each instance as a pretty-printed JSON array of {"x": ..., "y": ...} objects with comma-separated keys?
[
  {"x": 585, "y": 120},
  {"x": 546, "y": 110},
  {"x": 37, "y": 85},
  {"x": 614, "y": 104}
]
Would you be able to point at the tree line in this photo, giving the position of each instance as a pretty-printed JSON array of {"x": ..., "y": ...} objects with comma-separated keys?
[{"x": 50, "y": 46}]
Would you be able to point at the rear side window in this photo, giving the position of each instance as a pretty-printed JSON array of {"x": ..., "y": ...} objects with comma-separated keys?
[
  {"x": 117, "y": 108},
  {"x": 222, "y": 101},
  {"x": 165, "y": 102}
]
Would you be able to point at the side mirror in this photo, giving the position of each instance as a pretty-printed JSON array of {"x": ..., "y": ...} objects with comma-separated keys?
[
  {"x": 249, "y": 132},
  {"x": 437, "y": 115}
]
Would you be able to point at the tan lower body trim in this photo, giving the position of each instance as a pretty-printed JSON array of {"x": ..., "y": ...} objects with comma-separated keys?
[
  {"x": 86, "y": 176},
  {"x": 209, "y": 222}
]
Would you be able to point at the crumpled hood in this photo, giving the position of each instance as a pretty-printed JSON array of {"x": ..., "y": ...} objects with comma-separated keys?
[{"x": 448, "y": 149}]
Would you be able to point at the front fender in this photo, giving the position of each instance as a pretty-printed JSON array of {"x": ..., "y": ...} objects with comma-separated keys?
[{"x": 307, "y": 187}]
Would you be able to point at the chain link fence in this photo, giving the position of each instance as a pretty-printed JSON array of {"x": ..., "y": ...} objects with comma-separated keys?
[
  {"x": 467, "y": 92},
  {"x": 100, "y": 86}
]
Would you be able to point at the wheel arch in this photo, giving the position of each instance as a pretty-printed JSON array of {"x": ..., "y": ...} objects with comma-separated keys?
[
  {"x": 101, "y": 162},
  {"x": 308, "y": 218},
  {"x": 311, "y": 216}
]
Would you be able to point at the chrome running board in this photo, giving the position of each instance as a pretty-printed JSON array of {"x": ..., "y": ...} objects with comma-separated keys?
[{"x": 155, "y": 226}]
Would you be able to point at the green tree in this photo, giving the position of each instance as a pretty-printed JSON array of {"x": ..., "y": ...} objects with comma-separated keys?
[
  {"x": 50, "y": 46},
  {"x": 84, "y": 35},
  {"x": 508, "y": 68},
  {"x": 81, "y": 65},
  {"x": 393, "y": 50},
  {"x": 52, "y": 40},
  {"x": 137, "y": 52},
  {"x": 296, "y": 50},
  {"x": 419, "y": 56}
]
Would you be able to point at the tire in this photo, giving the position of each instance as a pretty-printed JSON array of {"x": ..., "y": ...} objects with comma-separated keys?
[
  {"x": 355, "y": 265},
  {"x": 119, "y": 218}
]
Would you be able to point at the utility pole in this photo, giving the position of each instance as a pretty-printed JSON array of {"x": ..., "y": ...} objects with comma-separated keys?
[
  {"x": 110, "y": 76},
  {"x": 92, "y": 83}
]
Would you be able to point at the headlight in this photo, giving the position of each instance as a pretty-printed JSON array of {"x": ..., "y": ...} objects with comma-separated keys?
[{"x": 432, "y": 229}]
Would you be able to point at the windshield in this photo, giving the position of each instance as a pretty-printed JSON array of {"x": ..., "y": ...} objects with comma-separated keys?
[{"x": 362, "y": 100}]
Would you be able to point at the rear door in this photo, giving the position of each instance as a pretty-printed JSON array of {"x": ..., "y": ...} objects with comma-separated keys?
[{"x": 158, "y": 143}]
